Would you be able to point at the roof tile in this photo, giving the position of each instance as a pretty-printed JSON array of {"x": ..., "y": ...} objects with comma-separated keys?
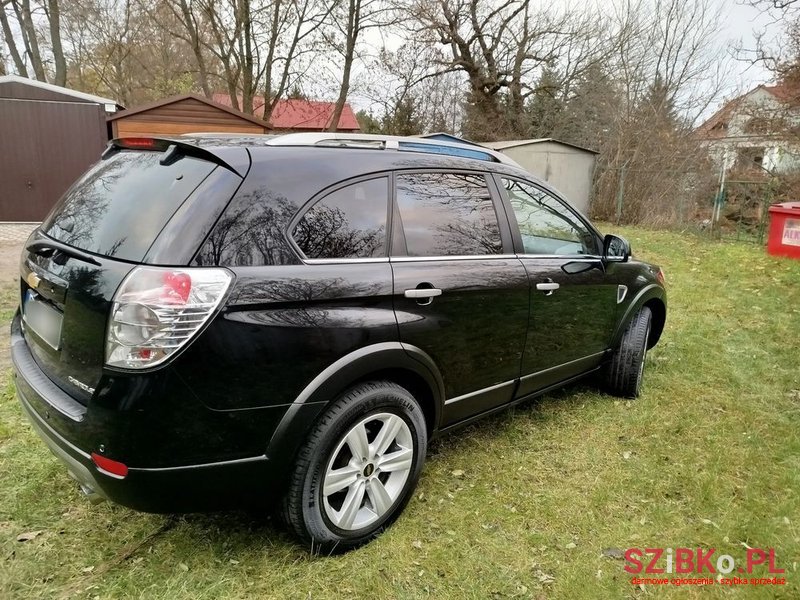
[{"x": 298, "y": 114}]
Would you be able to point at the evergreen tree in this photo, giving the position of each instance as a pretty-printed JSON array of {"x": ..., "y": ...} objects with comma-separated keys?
[
  {"x": 590, "y": 112},
  {"x": 367, "y": 122},
  {"x": 404, "y": 119},
  {"x": 545, "y": 105}
]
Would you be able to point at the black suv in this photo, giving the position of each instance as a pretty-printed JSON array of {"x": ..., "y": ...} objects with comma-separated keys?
[{"x": 212, "y": 321}]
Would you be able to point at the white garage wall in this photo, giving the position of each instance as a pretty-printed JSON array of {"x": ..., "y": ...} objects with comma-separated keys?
[{"x": 569, "y": 170}]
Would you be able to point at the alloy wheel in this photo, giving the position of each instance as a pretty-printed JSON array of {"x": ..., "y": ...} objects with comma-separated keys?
[{"x": 367, "y": 471}]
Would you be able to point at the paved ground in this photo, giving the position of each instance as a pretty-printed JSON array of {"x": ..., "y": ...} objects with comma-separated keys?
[{"x": 12, "y": 236}]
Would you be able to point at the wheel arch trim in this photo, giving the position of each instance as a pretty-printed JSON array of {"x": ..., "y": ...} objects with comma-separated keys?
[
  {"x": 644, "y": 296},
  {"x": 341, "y": 374}
]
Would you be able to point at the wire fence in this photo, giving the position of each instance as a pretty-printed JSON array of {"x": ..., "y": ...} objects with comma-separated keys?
[{"x": 735, "y": 208}]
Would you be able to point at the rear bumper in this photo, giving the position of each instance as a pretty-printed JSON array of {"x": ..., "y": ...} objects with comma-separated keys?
[
  {"x": 187, "y": 488},
  {"x": 210, "y": 486}
]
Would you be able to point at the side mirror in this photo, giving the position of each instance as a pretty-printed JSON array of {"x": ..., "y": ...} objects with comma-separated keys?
[{"x": 616, "y": 249}]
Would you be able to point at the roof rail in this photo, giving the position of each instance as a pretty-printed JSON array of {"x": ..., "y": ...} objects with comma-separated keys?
[{"x": 390, "y": 142}]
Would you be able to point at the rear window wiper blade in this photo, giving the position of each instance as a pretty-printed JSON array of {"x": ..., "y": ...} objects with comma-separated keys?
[{"x": 41, "y": 246}]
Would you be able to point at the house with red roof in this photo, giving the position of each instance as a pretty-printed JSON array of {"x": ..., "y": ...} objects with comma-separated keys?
[
  {"x": 757, "y": 132},
  {"x": 296, "y": 115}
]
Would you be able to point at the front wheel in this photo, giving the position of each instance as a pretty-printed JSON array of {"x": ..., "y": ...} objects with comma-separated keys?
[
  {"x": 358, "y": 468},
  {"x": 626, "y": 369}
]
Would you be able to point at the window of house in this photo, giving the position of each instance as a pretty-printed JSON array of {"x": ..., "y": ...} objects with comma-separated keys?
[
  {"x": 347, "y": 223},
  {"x": 750, "y": 158},
  {"x": 546, "y": 225},
  {"x": 445, "y": 214}
]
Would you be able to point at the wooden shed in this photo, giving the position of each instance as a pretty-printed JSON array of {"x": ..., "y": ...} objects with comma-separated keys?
[
  {"x": 187, "y": 113},
  {"x": 49, "y": 135}
]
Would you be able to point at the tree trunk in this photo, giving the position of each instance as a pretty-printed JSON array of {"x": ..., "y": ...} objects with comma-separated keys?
[
  {"x": 353, "y": 26},
  {"x": 194, "y": 36},
  {"x": 19, "y": 64},
  {"x": 54, "y": 16},
  {"x": 28, "y": 31},
  {"x": 248, "y": 87}
]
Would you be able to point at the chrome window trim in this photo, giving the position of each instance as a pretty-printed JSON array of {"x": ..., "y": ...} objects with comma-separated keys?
[
  {"x": 452, "y": 257},
  {"x": 344, "y": 261},
  {"x": 381, "y": 259}
]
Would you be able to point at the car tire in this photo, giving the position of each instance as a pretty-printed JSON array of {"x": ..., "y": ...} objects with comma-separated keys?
[
  {"x": 626, "y": 369},
  {"x": 358, "y": 468}
]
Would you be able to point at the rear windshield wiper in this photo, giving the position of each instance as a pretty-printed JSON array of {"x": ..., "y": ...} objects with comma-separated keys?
[{"x": 42, "y": 246}]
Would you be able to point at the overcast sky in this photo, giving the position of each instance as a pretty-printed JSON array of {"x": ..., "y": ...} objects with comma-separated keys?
[{"x": 741, "y": 22}]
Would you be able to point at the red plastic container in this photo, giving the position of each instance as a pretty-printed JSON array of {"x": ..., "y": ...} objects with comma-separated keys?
[{"x": 784, "y": 230}]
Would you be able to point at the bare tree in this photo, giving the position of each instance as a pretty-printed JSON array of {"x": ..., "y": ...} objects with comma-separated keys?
[
  {"x": 257, "y": 43},
  {"x": 22, "y": 10},
  {"x": 289, "y": 36},
  {"x": 669, "y": 69},
  {"x": 191, "y": 32},
  {"x": 500, "y": 47},
  {"x": 351, "y": 19},
  {"x": 27, "y": 18},
  {"x": 53, "y": 13},
  {"x": 11, "y": 42}
]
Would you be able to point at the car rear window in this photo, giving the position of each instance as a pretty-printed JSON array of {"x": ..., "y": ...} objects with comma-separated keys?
[{"x": 120, "y": 205}]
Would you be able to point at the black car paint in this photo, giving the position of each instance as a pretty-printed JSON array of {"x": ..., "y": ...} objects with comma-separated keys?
[{"x": 219, "y": 424}]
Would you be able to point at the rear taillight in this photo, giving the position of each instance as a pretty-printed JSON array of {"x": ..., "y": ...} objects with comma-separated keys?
[
  {"x": 156, "y": 311},
  {"x": 662, "y": 279}
]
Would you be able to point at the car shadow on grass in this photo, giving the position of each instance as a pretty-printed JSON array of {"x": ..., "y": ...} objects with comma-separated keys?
[{"x": 241, "y": 530}]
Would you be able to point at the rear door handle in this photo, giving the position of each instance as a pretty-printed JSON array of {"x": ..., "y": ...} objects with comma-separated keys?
[
  {"x": 548, "y": 286},
  {"x": 422, "y": 293}
]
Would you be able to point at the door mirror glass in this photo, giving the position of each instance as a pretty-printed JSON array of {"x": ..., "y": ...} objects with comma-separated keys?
[{"x": 616, "y": 248}]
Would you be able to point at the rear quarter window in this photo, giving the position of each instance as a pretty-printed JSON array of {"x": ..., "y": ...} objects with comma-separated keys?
[
  {"x": 120, "y": 205},
  {"x": 347, "y": 223}
]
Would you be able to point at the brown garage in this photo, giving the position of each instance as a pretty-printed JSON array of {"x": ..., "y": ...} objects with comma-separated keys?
[
  {"x": 49, "y": 135},
  {"x": 183, "y": 114}
]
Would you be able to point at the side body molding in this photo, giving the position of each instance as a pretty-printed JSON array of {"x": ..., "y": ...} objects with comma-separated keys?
[{"x": 340, "y": 375}]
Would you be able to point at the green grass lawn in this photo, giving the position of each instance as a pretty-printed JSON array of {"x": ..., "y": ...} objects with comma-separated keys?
[{"x": 708, "y": 457}]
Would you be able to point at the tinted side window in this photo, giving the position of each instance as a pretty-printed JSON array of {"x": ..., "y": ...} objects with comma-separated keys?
[
  {"x": 546, "y": 225},
  {"x": 347, "y": 223},
  {"x": 445, "y": 214}
]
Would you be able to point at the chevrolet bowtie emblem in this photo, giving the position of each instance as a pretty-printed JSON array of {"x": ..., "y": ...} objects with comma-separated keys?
[{"x": 33, "y": 280}]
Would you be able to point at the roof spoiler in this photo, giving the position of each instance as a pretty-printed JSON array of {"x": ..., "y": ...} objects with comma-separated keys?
[{"x": 172, "y": 150}]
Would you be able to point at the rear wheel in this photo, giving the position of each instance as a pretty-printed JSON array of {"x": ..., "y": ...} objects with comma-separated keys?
[
  {"x": 358, "y": 468},
  {"x": 626, "y": 369}
]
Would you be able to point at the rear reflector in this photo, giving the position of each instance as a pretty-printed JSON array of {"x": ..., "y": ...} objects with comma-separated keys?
[{"x": 109, "y": 466}]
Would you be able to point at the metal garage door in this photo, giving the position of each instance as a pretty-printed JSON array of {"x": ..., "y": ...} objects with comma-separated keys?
[{"x": 44, "y": 147}]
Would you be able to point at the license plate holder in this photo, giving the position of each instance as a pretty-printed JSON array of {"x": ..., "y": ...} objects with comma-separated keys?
[{"x": 44, "y": 320}]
